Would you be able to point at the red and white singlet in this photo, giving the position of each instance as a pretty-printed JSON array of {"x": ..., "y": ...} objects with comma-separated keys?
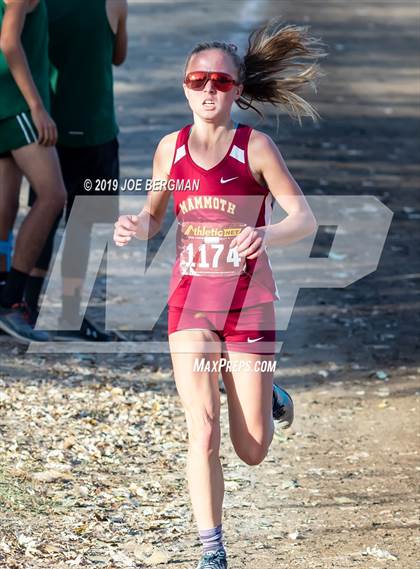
[{"x": 212, "y": 206}]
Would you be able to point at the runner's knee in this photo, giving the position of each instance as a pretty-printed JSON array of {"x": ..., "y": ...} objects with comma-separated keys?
[
  {"x": 59, "y": 199},
  {"x": 253, "y": 453},
  {"x": 252, "y": 449},
  {"x": 204, "y": 431},
  {"x": 53, "y": 197}
]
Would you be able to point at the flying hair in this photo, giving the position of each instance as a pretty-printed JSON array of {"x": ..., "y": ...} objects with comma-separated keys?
[{"x": 280, "y": 61}]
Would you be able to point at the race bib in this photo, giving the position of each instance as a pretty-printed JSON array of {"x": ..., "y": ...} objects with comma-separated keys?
[{"x": 205, "y": 251}]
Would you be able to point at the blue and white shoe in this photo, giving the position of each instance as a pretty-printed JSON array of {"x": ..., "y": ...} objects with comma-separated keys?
[
  {"x": 283, "y": 407},
  {"x": 213, "y": 560},
  {"x": 16, "y": 321}
]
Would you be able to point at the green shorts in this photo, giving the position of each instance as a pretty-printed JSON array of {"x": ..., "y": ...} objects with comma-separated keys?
[{"x": 16, "y": 132}]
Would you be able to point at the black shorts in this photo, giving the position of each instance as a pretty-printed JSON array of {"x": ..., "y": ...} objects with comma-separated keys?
[{"x": 100, "y": 162}]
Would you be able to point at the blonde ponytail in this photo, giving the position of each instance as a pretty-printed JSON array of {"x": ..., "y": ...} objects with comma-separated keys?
[
  {"x": 279, "y": 62},
  {"x": 274, "y": 71}
]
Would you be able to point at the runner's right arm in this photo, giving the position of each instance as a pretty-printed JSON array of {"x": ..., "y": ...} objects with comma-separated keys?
[
  {"x": 148, "y": 222},
  {"x": 11, "y": 46},
  {"x": 117, "y": 11}
]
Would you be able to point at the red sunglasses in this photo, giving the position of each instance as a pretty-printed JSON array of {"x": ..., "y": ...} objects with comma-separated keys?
[{"x": 196, "y": 80}]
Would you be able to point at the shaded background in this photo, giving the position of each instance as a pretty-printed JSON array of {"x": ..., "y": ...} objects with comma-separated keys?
[{"x": 366, "y": 144}]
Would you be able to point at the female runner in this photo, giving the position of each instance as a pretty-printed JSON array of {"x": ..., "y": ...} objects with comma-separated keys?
[{"x": 222, "y": 290}]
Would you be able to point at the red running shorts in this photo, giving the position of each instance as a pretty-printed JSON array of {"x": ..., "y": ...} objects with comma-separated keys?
[{"x": 254, "y": 333}]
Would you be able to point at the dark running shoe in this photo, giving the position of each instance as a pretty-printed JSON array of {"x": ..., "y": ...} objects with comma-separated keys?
[
  {"x": 32, "y": 315},
  {"x": 283, "y": 407},
  {"x": 88, "y": 331},
  {"x": 16, "y": 321},
  {"x": 213, "y": 560}
]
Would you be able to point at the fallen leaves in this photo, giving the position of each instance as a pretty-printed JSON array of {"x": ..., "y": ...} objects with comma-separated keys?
[
  {"x": 343, "y": 500},
  {"x": 379, "y": 553},
  {"x": 94, "y": 474},
  {"x": 51, "y": 476},
  {"x": 146, "y": 553},
  {"x": 84, "y": 455}
]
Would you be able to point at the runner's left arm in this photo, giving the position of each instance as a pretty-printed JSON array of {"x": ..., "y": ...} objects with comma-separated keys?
[{"x": 267, "y": 163}]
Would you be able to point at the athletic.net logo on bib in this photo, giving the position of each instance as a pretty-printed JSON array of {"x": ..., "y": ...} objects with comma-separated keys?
[{"x": 205, "y": 249}]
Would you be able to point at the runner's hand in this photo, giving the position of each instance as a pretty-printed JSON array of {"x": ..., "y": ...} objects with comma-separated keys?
[
  {"x": 250, "y": 242},
  {"x": 46, "y": 127},
  {"x": 125, "y": 229}
]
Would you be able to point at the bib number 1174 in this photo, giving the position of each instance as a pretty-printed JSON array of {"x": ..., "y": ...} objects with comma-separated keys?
[{"x": 212, "y": 257}]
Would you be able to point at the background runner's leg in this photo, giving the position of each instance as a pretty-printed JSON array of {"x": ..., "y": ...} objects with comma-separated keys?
[
  {"x": 10, "y": 181},
  {"x": 78, "y": 164},
  {"x": 37, "y": 276},
  {"x": 40, "y": 165}
]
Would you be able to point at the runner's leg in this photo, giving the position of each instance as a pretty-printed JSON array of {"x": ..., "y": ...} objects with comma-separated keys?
[
  {"x": 40, "y": 165},
  {"x": 200, "y": 397},
  {"x": 96, "y": 162},
  {"x": 10, "y": 181},
  {"x": 250, "y": 398}
]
